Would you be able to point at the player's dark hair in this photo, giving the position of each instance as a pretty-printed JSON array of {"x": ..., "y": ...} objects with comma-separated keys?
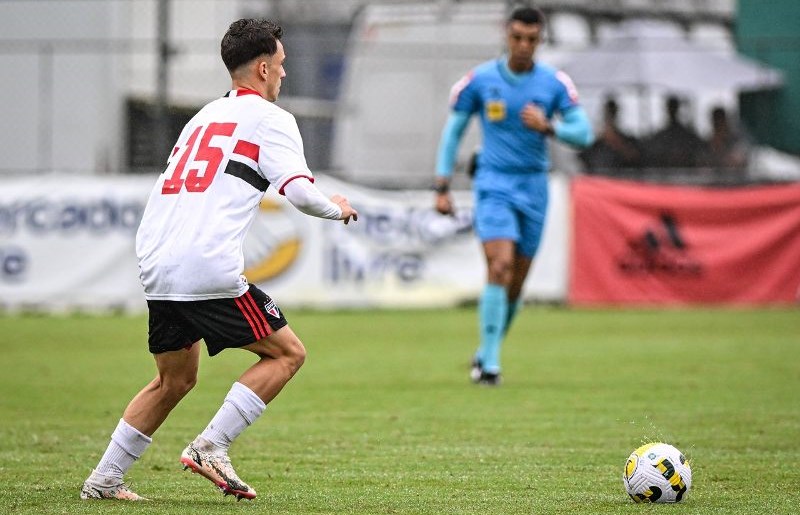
[
  {"x": 247, "y": 39},
  {"x": 527, "y": 15}
]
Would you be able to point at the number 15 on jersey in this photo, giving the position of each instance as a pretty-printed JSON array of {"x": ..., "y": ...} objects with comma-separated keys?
[{"x": 195, "y": 182}]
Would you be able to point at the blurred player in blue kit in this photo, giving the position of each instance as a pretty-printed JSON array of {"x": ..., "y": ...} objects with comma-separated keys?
[{"x": 517, "y": 100}]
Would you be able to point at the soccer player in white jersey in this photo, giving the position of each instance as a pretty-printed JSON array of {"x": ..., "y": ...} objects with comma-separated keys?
[{"x": 189, "y": 246}]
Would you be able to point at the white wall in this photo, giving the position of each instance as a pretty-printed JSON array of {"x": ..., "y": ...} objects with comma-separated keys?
[
  {"x": 53, "y": 104},
  {"x": 401, "y": 63}
]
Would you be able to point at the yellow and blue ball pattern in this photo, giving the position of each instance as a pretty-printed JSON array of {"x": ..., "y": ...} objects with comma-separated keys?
[{"x": 657, "y": 473}]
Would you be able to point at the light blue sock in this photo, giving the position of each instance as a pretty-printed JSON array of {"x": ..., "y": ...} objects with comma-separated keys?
[{"x": 493, "y": 310}]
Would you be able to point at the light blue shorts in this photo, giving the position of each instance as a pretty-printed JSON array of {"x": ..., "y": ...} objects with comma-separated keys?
[{"x": 511, "y": 206}]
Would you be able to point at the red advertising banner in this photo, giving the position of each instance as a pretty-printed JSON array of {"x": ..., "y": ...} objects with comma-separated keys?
[{"x": 646, "y": 244}]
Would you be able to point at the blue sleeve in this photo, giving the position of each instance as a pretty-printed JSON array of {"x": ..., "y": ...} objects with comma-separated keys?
[
  {"x": 574, "y": 128},
  {"x": 448, "y": 144},
  {"x": 465, "y": 94}
]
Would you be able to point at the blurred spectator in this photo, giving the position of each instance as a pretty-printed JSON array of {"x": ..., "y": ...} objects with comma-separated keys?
[
  {"x": 676, "y": 145},
  {"x": 613, "y": 150},
  {"x": 725, "y": 147}
]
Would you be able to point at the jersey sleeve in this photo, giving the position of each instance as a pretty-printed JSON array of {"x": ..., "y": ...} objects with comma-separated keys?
[
  {"x": 567, "y": 95},
  {"x": 464, "y": 95},
  {"x": 281, "y": 158}
]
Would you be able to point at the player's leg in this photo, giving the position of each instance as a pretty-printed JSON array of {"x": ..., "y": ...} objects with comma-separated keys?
[
  {"x": 530, "y": 202},
  {"x": 493, "y": 305},
  {"x": 497, "y": 227},
  {"x": 520, "y": 269},
  {"x": 177, "y": 374},
  {"x": 280, "y": 355}
]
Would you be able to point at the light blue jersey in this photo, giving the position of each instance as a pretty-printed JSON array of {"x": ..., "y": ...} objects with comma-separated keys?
[
  {"x": 510, "y": 183},
  {"x": 498, "y": 96}
]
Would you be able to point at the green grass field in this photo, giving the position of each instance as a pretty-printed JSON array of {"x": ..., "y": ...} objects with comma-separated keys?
[{"x": 382, "y": 418}]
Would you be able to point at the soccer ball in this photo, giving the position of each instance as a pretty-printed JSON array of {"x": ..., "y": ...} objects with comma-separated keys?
[{"x": 657, "y": 472}]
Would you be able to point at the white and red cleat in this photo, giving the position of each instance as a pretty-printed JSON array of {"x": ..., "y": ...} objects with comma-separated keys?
[
  {"x": 120, "y": 491},
  {"x": 217, "y": 468}
]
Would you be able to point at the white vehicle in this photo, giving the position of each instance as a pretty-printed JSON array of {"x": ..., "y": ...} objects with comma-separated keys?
[{"x": 402, "y": 61}]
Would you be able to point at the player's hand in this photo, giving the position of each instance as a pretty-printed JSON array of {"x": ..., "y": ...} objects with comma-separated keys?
[
  {"x": 534, "y": 118},
  {"x": 444, "y": 204},
  {"x": 347, "y": 210}
]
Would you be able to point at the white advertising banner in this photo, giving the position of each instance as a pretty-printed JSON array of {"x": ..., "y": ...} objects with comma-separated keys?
[{"x": 67, "y": 242}]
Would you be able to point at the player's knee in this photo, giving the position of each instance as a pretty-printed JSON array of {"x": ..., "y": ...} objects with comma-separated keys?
[
  {"x": 296, "y": 355},
  {"x": 177, "y": 387},
  {"x": 500, "y": 271}
]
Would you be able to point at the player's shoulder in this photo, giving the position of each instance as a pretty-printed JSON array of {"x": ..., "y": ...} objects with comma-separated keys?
[
  {"x": 272, "y": 111},
  {"x": 474, "y": 79},
  {"x": 482, "y": 72},
  {"x": 485, "y": 69},
  {"x": 278, "y": 118},
  {"x": 264, "y": 107},
  {"x": 555, "y": 76},
  {"x": 258, "y": 110},
  {"x": 547, "y": 70}
]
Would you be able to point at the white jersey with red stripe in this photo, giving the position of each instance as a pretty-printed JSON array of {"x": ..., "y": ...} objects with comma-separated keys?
[{"x": 189, "y": 242}]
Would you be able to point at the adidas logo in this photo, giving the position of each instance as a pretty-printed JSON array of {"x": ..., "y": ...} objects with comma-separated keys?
[{"x": 660, "y": 249}]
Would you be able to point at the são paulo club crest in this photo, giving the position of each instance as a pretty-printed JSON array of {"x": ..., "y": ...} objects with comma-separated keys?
[{"x": 272, "y": 309}]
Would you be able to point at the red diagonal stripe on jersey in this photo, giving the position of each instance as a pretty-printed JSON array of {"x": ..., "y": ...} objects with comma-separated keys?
[
  {"x": 246, "y": 312},
  {"x": 259, "y": 314},
  {"x": 246, "y": 149}
]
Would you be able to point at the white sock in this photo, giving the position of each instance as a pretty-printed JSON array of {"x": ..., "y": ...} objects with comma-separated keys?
[
  {"x": 240, "y": 409},
  {"x": 126, "y": 445}
]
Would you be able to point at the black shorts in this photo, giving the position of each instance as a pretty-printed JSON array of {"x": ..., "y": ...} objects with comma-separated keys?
[{"x": 222, "y": 323}]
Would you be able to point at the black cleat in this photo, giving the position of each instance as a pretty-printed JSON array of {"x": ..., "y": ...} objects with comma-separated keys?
[
  {"x": 475, "y": 370},
  {"x": 489, "y": 379}
]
